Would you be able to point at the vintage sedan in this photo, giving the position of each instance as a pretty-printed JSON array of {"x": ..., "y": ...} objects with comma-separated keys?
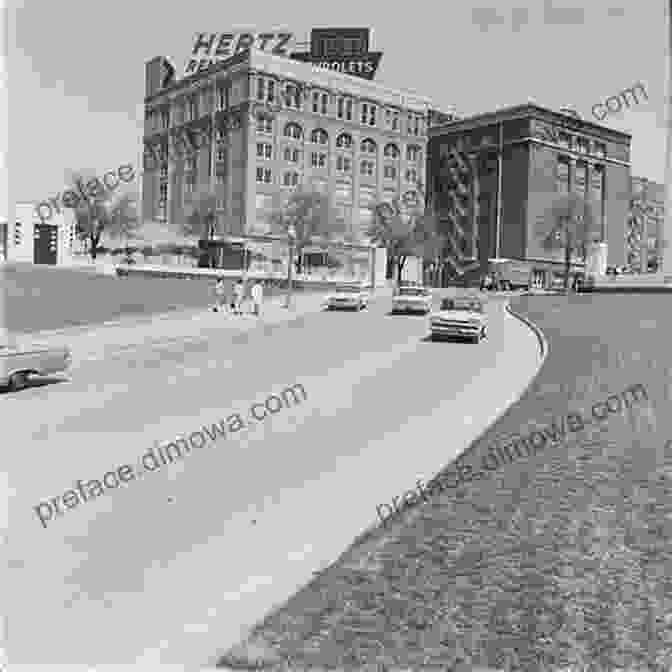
[
  {"x": 353, "y": 296},
  {"x": 459, "y": 318},
  {"x": 412, "y": 299},
  {"x": 19, "y": 362}
]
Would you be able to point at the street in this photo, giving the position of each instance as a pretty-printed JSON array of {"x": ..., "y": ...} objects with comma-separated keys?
[{"x": 175, "y": 566}]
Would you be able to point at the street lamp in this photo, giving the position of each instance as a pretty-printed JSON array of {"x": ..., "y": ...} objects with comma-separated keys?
[{"x": 291, "y": 238}]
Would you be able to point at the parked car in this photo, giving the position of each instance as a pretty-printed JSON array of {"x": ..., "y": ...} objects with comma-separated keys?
[
  {"x": 18, "y": 363},
  {"x": 412, "y": 299},
  {"x": 462, "y": 317},
  {"x": 354, "y": 296}
]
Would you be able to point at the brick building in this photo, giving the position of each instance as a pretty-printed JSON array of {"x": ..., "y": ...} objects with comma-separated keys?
[
  {"x": 515, "y": 162},
  {"x": 269, "y": 125},
  {"x": 648, "y": 204}
]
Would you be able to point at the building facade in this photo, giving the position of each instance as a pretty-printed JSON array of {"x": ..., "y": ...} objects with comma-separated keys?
[
  {"x": 270, "y": 125},
  {"x": 28, "y": 239},
  {"x": 645, "y": 225},
  {"x": 492, "y": 179}
]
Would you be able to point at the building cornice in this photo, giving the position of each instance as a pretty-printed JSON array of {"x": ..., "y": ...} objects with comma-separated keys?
[
  {"x": 530, "y": 111},
  {"x": 304, "y": 73}
]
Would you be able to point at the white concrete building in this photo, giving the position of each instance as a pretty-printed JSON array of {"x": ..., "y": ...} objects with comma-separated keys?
[{"x": 30, "y": 240}]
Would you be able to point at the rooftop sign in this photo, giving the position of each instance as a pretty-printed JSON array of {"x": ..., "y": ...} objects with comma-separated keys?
[
  {"x": 211, "y": 48},
  {"x": 345, "y": 50}
]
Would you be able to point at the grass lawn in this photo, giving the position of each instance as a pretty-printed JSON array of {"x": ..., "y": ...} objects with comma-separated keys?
[
  {"x": 40, "y": 298},
  {"x": 560, "y": 557}
]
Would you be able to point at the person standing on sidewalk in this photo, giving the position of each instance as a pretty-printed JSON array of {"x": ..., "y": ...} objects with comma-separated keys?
[
  {"x": 238, "y": 297},
  {"x": 220, "y": 295},
  {"x": 257, "y": 297}
]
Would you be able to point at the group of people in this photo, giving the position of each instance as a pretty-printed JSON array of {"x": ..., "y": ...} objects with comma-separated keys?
[{"x": 234, "y": 299}]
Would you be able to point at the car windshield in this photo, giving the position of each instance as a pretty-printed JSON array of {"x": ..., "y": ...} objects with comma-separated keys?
[
  {"x": 461, "y": 304},
  {"x": 412, "y": 291},
  {"x": 348, "y": 289}
]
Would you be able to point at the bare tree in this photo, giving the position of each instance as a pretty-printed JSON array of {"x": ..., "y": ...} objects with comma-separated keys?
[
  {"x": 103, "y": 211},
  {"x": 570, "y": 225}
]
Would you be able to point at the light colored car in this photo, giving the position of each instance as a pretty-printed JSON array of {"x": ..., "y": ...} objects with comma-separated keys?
[
  {"x": 17, "y": 363},
  {"x": 459, "y": 318},
  {"x": 412, "y": 299},
  {"x": 352, "y": 296}
]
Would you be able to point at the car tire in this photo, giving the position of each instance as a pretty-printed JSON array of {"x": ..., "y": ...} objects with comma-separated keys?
[{"x": 17, "y": 381}]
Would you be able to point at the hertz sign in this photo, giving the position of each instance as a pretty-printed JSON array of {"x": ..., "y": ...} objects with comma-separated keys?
[{"x": 345, "y": 50}]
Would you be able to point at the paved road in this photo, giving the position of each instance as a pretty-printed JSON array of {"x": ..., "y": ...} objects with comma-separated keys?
[{"x": 174, "y": 566}]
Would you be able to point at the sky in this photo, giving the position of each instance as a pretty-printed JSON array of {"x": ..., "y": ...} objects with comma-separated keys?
[{"x": 76, "y": 69}]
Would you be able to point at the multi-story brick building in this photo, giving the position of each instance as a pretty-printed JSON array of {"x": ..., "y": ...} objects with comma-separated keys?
[
  {"x": 270, "y": 125},
  {"x": 524, "y": 157},
  {"x": 646, "y": 223}
]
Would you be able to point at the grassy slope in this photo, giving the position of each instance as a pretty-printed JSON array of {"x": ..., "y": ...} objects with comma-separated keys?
[
  {"x": 47, "y": 298},
  {"x": 559, "y": 556}
]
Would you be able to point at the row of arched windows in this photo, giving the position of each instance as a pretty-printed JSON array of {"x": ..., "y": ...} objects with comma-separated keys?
[{"x": 319, "y": 136}]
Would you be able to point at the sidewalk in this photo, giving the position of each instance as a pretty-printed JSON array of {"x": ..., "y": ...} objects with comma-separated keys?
[{"x": 97, "y": 341}]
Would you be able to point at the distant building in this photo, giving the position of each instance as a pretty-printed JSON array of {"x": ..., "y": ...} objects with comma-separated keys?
[
  {"x": 493, "y": 177},
  {"x": 270, "y": 125},
  {"x": 30, "y": 240},
  {"x": 643, "y": 244}
]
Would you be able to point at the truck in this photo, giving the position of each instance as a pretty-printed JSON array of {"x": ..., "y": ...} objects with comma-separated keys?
[{"x": 507, "y": 274}]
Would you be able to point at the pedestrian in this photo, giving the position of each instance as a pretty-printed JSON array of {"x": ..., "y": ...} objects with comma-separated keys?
[
  {"x": 257, "y": 297},
  {"x": 238, "y": 298},
  {"x": 220, "y": 295}
]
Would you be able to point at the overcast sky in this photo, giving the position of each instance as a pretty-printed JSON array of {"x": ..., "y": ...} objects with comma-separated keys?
[{"x": 76, "y": 69}]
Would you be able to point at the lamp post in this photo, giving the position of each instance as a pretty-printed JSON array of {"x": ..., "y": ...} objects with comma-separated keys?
[
  {"x": 291, "y": 238},
  {"x": 663, "y": 237}
]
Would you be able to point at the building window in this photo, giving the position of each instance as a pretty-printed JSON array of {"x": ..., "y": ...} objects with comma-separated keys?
[
  {"x": 221, "y": 99},
  {"x": 316, "y": 101},
  {"x": 271, "y": 91},
  {"x": 412, "y": 175},
  {"x": 264, "y": 175},
  {"x": 372, "y": 115},
  {"x": 343, "y": 192},
  {"x": 292, "y": 96},
  {"x": 366, "y": 167},
  {"x": 562, "y": 176},
  {"x": 600, "y": 150},
  {"x": 391, "y": 151},
  {"x": 582, "y": 145},
  {"x": 190, "y": 184},
  {"x": 264, "y": 150},
  {"x": 597, "y": 189},
  {"x": 412, "y": 153},
  {"x": 565, "y": 140},
  {"x": 220, "y": 204},
  {"x": 409, "y": 124},
  {"x": 191, "y": 164},
  {"x": 348, "y": 109},
  {"x": 344, "y": 141},
  {"x": 416, "y": 126},
  {"x": 368, "y": 146},
  {"x": 221, "y": 154},
  {"x": 219, "y": 135},
  {"x": 290, "y": 179},
  {"x": 319, "y": 137},
  {"x": 294, "y": 131},
  {"x": 365, "y": 113},
  {"x": 325, "y": 103},
  {"x": 340, "y": 107},
  {"x": 581, "y": 178},
  {"x": 390, "y": 172},
  {"x": 265, "y": 125},
  {"x": 261, "y": 88},
  {"x": 292, "y": 155},
  {"x": 164, "y": 171},
  {"x": 163, "y": 192},
  {"x": 395, "y": 121},
  {"x": 318, "y": 159},
  {"x": 343, "y": 164}
]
